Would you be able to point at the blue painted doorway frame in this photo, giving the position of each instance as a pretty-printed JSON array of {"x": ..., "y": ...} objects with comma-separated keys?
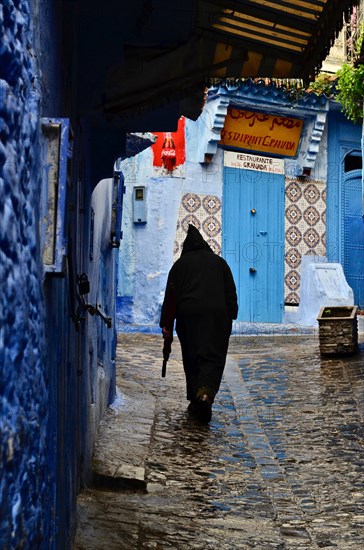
[
  {"x": 353, "y": 234},
  {"x": 253, "y": 242},
  {"x": 345, "y": 239}
]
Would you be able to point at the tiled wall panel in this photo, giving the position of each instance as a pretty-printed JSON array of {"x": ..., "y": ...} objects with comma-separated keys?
[
  {"x": 305, "y": 230},
  {"x": 204, "y": 212}
]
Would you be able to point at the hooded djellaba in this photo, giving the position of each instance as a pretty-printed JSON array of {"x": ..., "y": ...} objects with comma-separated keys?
[{"x": 201, "y": 296}]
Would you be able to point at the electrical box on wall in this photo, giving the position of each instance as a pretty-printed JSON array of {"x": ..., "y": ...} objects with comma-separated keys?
[{"x": 140, "y": 204}]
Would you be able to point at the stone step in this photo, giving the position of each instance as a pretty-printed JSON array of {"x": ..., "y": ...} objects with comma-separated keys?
[{"x": 123, "y": 439}]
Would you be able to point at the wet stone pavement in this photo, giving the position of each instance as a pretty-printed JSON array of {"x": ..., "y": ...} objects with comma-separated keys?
[{"x": 280, "y": 466}]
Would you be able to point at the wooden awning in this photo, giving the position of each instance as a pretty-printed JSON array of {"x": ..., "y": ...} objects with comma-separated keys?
[
  {"x": 281, "y": 38},
  {"x": 166, "y": 50}
]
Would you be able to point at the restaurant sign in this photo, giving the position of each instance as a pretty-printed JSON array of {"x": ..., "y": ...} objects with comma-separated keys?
[
  {"x": 261, "y": 132},
  {"x": 253, "y": 162}
]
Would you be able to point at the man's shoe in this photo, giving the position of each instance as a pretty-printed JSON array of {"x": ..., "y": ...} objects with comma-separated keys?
[
  {"x": 204, "y": 404},
  {"x": 192, "y": 408}
]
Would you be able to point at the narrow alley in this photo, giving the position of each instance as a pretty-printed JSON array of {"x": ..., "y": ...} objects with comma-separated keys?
[
  {"x": 122, "y": 125},
  {"x": 280, "y": 466}
]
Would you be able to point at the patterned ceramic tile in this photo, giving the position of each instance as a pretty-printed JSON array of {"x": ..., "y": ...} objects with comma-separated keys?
[
  {"x": 211, "y": 204},
  {"x": 293, "y": 279},
  {"x": 305, "y": 230},
  {"x": 311, "y": 194},
  {"x": 204, "y": 212},
  {"x": 311, "y": 216},
  {"x": 191, "y": 202},
  {"x": 311, "y": 238},
  {"x": 293, "y": 191},
  {"x": 211, "y": 226},
  {"x": 190, "y": 218},
  {"x": 293, "y": 258},
  {"x": 292, "y": 298},
  {"x": 293, "y": 235},
  {"x": 293, "y": 214}
]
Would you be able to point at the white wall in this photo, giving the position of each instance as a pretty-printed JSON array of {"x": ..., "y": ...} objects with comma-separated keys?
[{"x": 146, "y": 252}]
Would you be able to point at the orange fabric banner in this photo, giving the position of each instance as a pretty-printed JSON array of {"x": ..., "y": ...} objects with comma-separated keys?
[{"x": 261, "y": 132}]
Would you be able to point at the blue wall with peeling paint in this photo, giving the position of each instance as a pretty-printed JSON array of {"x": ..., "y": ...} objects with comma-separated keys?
[
  {"x": 26, "y": 489},
  {"x": 57, "y": 363}
]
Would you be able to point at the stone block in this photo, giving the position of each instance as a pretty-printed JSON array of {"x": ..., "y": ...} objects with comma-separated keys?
[
  {"x": 338, "y": 330},
  {"x": 321, "y": 283}
]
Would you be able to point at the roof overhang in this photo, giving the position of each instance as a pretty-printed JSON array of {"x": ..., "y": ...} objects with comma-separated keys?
[
  {"x": 281, "y": 38},
  {"x": 140, "y": 56}
]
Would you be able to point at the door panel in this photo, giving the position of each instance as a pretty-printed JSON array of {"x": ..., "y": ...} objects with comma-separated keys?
[
  {"x": 253, "y": 238},
  {"x": 353, "y": 235}
]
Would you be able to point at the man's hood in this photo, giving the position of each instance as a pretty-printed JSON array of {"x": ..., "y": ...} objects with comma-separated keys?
[{"x": 194, "y": 241}]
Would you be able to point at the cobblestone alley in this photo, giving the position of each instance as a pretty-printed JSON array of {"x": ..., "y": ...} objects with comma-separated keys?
[{"x": 279, "y": 467}]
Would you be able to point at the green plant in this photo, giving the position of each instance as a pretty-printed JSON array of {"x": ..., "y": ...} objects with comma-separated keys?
[
  {"x": 323, "y": 84},
  {"x": 350, "y": 84}
]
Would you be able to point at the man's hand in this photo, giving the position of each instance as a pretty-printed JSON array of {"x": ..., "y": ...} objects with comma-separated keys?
[{"x": 167, "y": 335}]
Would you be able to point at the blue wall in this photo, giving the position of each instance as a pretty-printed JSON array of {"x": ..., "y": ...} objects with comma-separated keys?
[
  {"x": 26, "y": 486},
  {"x": 57, "y": 363},
  {"x": 343, "y": 136},
  {"x": 344, "y": 201}
]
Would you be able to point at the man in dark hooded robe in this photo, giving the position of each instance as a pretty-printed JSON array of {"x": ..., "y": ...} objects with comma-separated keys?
[{"x": 201, "y": 296}]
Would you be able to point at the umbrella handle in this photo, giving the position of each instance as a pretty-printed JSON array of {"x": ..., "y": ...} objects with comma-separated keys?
[{"x": 164, "y": 368}]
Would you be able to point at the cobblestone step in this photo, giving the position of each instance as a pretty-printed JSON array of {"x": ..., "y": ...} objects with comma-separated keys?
[
  {"x": 280, "y": 466},
  {"x": 123, "y": 440},
  {"x": 273, "y": 475}
]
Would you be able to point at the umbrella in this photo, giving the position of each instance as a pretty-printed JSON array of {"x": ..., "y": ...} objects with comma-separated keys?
[{"x": 166, "y": 353}]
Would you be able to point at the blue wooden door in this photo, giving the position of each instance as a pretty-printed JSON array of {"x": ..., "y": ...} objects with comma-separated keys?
[
  {"x": 253, "y": 242},
  {"x": 353, "y": 234}
]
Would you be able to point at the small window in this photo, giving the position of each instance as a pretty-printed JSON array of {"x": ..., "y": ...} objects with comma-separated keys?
[
  {"x": 139, "y": 193},
  {"x": 353, "y": 161}
]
